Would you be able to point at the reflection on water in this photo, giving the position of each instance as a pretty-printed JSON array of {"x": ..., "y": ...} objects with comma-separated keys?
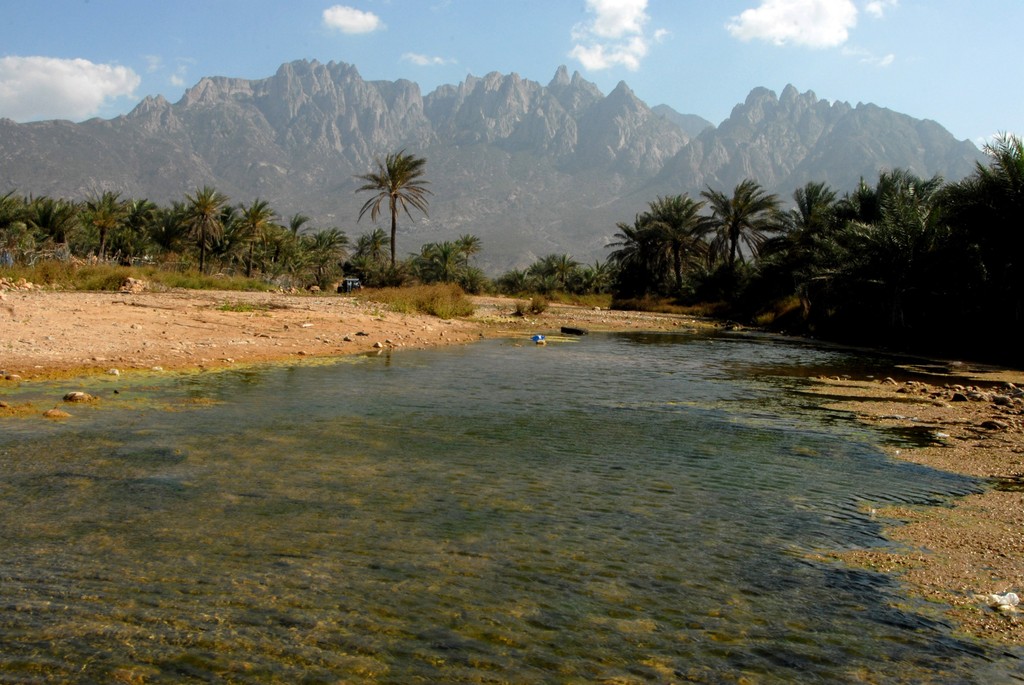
[{"x": 621, "y": 509}]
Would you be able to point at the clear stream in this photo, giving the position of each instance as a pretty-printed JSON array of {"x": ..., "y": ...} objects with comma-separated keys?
[{"x": 623, "y": 508}]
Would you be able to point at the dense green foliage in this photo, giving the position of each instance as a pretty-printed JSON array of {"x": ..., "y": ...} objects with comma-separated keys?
[
  {"x": 203, "y": 241},
  {"x": 905, "y": 262},
  {"x": 908, "y": 262}
]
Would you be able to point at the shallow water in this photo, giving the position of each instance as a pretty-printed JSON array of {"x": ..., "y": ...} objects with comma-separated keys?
[{"x": 625, "y": 508}]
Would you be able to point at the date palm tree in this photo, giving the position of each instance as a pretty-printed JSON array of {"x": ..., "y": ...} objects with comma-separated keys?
[
  {"x": 133, "y": 238},
  {"x": 373, "y": 247},
  {"x": 677, "y": 227},
  {"x": 53, "y": 220},
  {"x": 256, "y": 221},
  {"x": 444, "y": 262},
  {"x": 741, "y": 220},
  {"x": 204, "y": 218},
  {"x": 398, "y": 182},
  {"x": 326, "y": 250},
  {"x": 169, "y": 229},
  {"x": 105, "y": 213},
  {"x": 469, "y": 245},
  {"x": 15, "y": 236},
  {"x": 297, "y": 223},
  {"x": 639, "y": 261}
]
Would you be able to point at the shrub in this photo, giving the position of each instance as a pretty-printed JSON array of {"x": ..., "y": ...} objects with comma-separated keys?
[
  {"x": 442, "y": 301},
  {"x": 536, "y": 305},
  {"x": 106, "y": 277}
]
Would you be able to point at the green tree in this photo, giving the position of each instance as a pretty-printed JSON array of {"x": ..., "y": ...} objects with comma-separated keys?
[
  {"x": 203, "y": 212},
  {"x": 676, "y": 227},
  {"x": 374, "y": 247},
  {"x": 297, "y": 223},
  {"x": 639, "y": 259},
  {"x": 105, "y": 214},
  {"x": 256, "y": 221},
  {"x": 469, "y": 245},
  {"x": 553, "y": 271},
  {"x": 986, "y": 210},
  {"x": 744, "y": 219},
  {"x": 593, "y": 278},
  {"x": 444, "y": 262},
  {"x": 513, "y": 282},
  {"x": 326, "y": 251},
  {"x": 398, "y": 182},
  {"x": 792, "y": 262},
  {"x": 54, "y": 221},
  {"x": 169, "y": 229},
  {"x": 886, "y": 263},
  {"x": 133, "y": 237},
  {"x": 16, "y": 239}
]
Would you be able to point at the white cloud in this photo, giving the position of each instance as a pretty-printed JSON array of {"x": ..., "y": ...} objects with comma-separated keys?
[
  {"x": 34, "y": 88},
  {"x": 866, "y": 57},
  {"x": 351, "y": 20},
  {"x": 810, "y": 23},
  {"x": 178, "y": 77},
  {"x": 153, "y": 63},
  {"x": 613, "y": 36},
  {"x": 878, "y": 8},
  {"x": 425, "y": 60}
]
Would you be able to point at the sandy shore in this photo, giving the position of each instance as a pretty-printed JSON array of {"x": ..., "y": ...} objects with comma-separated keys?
[
  {"x": 963, "y": 554},
  {"x": 957, "y": 555},
  {"x": 50, "y": 333}
]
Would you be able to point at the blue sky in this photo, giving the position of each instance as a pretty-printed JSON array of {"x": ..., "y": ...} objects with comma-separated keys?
[{"x": 954, "y": 61}]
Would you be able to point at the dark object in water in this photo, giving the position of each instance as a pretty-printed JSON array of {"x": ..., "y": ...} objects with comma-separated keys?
[{"x": 569, "y": 330}]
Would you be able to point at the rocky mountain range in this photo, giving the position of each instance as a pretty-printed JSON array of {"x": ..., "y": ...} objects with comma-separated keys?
[{"x": 531, "y": 169}]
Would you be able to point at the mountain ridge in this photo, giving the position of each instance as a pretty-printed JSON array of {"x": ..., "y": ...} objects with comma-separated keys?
[{"x": 531, "y": 169}]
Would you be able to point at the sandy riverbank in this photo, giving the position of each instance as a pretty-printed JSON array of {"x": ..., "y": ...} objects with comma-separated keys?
[
  {"x": 962, "y": 554},
  {"x": 956, "y": 555},
  {"x": 47, "y": 333}
]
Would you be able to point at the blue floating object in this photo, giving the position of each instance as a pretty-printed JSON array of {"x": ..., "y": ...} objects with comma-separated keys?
[{"x": 537, "y": 338}]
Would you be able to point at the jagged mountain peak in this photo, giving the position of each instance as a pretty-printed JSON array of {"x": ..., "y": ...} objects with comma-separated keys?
[
  {"x": 561, "y": 77},
  {"x": 531, "y": 169}
]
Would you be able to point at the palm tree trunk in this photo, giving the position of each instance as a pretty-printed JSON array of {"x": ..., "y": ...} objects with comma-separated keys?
[
  {"x": 202, "y": 252},
  {"x": 394, "y": 229},
  {"x": 677, "y": 265}
]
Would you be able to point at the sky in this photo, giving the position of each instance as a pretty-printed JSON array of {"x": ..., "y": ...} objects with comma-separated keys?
[{"x": 957, "y": 62}]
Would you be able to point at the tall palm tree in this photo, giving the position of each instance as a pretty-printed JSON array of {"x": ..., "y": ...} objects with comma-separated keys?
[
  {"x": 812, "y": 221},
  {"x": 887, "y": 260},
  {"x": 469, "y": 245},
  {"x": 594, "y": 278},
  {"x": 170, "y": 228},
  {"x": 105, "y": 213},
  {"x": 297, "y": 223},
  {"x": 398, "y": 180},
  {"x": 557, "y": 269},
  {"x": 677, "y": 227},
  {"x": 53, "y": 220},
  {"x": 204, "y": 218},
  {"x": 255, "y": 221},
  {"x": 444, "y": 262},
  {"x": 639, "y": 259},
  {"x": 15, "y": 236},
  {"x": 133, "y": 238},
  {"x": 741, "y": 220},
  {"x": 326, "y": 250}
]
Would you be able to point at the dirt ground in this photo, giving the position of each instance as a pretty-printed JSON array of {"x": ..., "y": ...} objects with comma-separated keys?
[
  {"x": 46, "y": 333},
  {"x": 958, "y": 555}
]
